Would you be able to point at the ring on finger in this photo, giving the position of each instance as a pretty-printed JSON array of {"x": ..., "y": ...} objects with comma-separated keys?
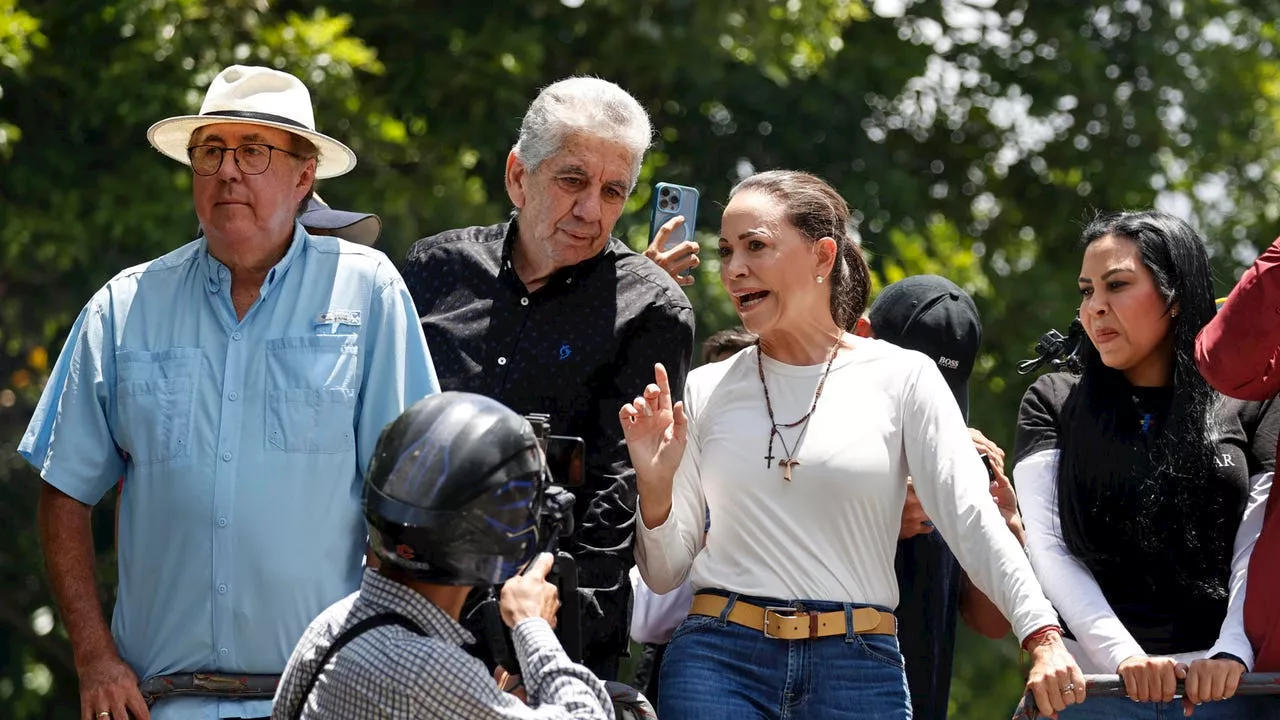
[
  {"x": 104, "y": 714},
  {"x": 1068, "y": 688}
]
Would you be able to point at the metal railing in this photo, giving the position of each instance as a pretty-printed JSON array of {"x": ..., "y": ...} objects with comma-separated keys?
[
  {"x": 240, "y": 687},
  {"x": 628, "y": 702},
  {"x": 1113, "y": 686}
]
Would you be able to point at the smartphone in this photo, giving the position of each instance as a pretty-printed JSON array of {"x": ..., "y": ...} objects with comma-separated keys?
[
  {"x": 670, "y": 200},
  {"x": 991, "y": 470}
]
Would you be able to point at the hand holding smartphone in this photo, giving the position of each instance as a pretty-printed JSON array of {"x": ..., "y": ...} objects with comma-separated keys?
[{"x": 672, "y": 243}]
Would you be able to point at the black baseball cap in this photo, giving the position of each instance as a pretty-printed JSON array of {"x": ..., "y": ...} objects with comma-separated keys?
[
  {"x": 357, "y": 227},
  {"x": 932, "y": 315}
]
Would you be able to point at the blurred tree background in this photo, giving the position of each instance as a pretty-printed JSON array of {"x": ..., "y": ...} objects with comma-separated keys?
[{"x": 972, "y": 137}]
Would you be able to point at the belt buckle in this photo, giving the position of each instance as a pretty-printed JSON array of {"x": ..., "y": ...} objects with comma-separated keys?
[{"x": 776, "y": 613}]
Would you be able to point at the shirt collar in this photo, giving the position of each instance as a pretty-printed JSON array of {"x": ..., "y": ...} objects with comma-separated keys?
[
  {"x": 384, "y": 594},
  {"x": 217, "y": 274}
]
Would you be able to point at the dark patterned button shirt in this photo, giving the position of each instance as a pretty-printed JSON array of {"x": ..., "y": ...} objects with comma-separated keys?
[{"x": 578, "y": 348}]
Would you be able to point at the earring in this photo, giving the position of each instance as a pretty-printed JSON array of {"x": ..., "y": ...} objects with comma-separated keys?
[
  {"x": 819, "y": 279},
  {"x": 1173, "y": 313}
]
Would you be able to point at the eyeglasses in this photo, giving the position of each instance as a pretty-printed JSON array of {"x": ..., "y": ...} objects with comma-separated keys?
[{"x": 251, "y": 158}]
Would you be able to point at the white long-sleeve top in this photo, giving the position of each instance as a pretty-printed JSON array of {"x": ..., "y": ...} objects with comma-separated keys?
[
  {"x": 1076, "y": 594},
  {"x": 830, "y": 534}
]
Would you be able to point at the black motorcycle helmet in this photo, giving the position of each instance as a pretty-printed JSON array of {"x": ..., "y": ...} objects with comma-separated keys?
[{"x": 455, "y": 490}]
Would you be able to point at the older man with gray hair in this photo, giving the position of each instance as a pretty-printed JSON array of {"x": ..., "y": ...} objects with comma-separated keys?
[{"x": 547, "y": 313}]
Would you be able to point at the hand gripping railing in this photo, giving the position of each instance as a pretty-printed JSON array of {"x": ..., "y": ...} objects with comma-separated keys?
[{"x": 1113, "y": 686}]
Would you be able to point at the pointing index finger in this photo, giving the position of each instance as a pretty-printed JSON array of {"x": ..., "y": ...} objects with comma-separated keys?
[{"x": 664, "y": 386}]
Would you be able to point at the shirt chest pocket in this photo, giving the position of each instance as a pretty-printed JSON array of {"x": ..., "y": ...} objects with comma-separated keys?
[
  {"x": 312, "y": 385},
  {"x": 155, "y": 399}
]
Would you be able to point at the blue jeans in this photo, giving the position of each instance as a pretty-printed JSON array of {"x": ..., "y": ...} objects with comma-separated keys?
[
  {"x": 1237, "y": 708},
  {"x": 716, "y": 670}
]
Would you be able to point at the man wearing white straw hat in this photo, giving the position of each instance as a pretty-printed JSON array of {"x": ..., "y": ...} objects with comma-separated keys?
[{"x": 238, "y": 384}]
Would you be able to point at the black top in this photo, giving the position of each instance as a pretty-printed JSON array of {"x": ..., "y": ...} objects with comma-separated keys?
[
  {"x": 928, "y": 605},
  {"x": 1141, "y": 586},
  {"x": 578, "y": 349}
]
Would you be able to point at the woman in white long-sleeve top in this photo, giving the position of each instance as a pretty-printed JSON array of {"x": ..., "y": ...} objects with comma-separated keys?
[
  {"x": 800, "y": 447},
  {"x": 1133, "y": 478}
]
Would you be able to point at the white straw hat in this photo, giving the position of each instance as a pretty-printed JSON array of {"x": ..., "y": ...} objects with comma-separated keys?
[{"x": 256, "y": 96}]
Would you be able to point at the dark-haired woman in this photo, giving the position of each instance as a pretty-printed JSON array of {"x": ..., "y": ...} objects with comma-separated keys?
[
  {"x": 794, "y": 583},
  {"x": 1134, "y": 476}
]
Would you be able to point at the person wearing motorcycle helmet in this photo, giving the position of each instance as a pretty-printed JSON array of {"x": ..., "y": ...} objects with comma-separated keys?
[{"x": 452, "y": 500}]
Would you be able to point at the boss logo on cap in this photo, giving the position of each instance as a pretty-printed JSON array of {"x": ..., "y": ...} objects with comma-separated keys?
[{"x": 948, "y": 363}]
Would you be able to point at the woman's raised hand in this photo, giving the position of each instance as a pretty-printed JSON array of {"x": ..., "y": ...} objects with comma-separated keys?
[{"x": 654, "y": 428}]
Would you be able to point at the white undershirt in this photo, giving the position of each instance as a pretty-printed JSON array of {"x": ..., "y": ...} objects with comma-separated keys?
[
  {"x": 832, "y": 532},
  {"x": 1074, "y": 592}
]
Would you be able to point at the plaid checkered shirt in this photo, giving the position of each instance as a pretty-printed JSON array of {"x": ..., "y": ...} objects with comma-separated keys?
[{"x": 390, "y": 672}]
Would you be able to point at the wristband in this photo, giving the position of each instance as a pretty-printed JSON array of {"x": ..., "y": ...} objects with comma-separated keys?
[{"x": 1038, "y": 635}]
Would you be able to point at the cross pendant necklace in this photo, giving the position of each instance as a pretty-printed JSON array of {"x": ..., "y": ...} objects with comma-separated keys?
[
  {"x": 776, "y": 429},
  {"x": 790, "y": 460},
  {"x": 786, "y": 468}
]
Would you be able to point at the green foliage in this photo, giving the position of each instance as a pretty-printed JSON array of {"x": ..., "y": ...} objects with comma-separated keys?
[
  {"x": 973, "y": 139},
  {"x": 19, "y": 33}
]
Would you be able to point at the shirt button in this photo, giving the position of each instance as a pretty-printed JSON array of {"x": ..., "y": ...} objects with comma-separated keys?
[
  {"x": 222, "y": 522},
  {"x": 226, "y": 457},
  {"x": 233, "y": 396},
  {"x": 222, "y": 589},
  {"x": 502, "y": 361},
  {"x": 235, "y": 335},
  {"x": 524, "y": 301},
  {"x": 224, "y": 652}
]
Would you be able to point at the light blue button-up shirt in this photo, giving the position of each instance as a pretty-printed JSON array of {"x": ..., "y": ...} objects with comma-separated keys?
[{"x": 243, "y": 444}]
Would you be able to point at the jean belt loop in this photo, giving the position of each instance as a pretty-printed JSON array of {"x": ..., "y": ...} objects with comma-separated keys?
[
  {"x": 724, "y": 614},
  {"x": 849, "y": 634}
]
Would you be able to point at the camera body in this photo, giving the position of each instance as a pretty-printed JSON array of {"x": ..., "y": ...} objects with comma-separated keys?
[
  {"x": 565, "y": 458},
  {"x": 565, "y": 463}
]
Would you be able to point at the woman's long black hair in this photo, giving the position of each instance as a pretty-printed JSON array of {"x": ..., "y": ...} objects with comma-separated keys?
[{"x": 1125, "y": 494}]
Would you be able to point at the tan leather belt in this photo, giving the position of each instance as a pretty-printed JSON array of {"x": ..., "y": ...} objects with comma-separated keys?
[{"x": 786, "y": 623}]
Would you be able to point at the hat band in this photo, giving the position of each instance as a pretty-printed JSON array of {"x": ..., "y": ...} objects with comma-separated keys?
[{"x": 265, "y": 117}]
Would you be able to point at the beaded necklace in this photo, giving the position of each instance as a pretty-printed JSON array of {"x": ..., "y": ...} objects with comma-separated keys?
[{"x": 776, "y": 429}]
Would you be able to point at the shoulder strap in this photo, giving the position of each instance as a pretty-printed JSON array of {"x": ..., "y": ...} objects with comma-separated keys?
[{"x": 346, "y": 636}]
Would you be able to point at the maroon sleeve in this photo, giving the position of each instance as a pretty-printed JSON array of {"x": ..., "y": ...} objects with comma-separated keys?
[{"x": 1237, "y": 350}]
